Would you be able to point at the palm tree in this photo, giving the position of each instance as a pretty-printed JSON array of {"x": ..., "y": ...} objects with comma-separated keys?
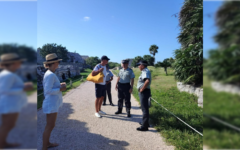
[{"x": 153, "y": 50}]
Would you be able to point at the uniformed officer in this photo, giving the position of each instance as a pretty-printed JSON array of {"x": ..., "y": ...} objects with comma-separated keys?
[
  {"x": 109, "y": 78},
  {"x": 143, "y": 86},
  {"x": 124, "y": 88}
]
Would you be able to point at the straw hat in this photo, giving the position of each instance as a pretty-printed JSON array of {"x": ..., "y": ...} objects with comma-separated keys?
[
  {"x": 51, "y": 58},
  {"x": 10, "y": 58}
]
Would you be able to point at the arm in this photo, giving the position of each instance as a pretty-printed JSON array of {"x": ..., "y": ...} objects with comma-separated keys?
[
  {"x": 132, "y": 83},
  {"x": 6, "y": 86},
  {"x": 96, "y": 71},
  {"x": 117, "y": 83},
  {"x": 48, "y": 86},
  {"x": 145, "y": 85}
]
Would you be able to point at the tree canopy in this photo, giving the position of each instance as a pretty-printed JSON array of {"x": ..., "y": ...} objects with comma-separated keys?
[
  {"x": 22, "y": 50},
  {"x": 61, "y": 51},
  {"x": 93, "y": 61}
]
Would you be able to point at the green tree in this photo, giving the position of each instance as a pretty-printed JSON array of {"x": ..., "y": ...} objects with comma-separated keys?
[
  {"x": 223, "y": 62},
  {"x": 153, "y": 50},
  {"x": 93, "y": 61},
  {"x": 61, "y": 51},
  {"x": 165, "y": 64},
  {"x": 113, "y": 65},
  {"x": 22, "y": 50},
  {"x": 188, "y": 63},
  {"x": 149, "y": 59},
  {"x": 136, "y": 60},
  {"x": 171, "y": 61}
]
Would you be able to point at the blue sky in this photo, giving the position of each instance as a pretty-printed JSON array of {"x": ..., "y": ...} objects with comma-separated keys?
[
  {"x": 18, "y": 23},
  {"x": 209, "y": 28},
  {"x": 118, "y": 29}
]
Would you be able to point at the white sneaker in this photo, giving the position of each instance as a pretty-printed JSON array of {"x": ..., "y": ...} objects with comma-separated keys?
[
  {"x": 103, "y": 113},
  {"x": 97, "y": 115}
]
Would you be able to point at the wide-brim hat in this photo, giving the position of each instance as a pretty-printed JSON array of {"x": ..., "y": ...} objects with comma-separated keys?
[
  {"x": 52, "y": 58},
  {"x": 10, "y": 58}
]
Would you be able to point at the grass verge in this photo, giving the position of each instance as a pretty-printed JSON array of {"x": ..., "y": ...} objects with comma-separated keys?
[
  {"x": 182, "y": 104},
  {"x": 76, "y": 82}
]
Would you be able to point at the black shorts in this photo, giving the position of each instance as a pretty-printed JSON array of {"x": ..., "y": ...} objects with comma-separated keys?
[{"x": 100, "y": 90}]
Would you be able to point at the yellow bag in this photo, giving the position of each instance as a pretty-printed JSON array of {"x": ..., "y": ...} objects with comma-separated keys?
[{"x": 96, "y": 79}]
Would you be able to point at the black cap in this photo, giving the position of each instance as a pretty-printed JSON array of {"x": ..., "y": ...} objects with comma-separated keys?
[
  {"x": 142, "y": 62},
  {"x": 104, "y": 58},
  {"x": 125, "y": 61}
]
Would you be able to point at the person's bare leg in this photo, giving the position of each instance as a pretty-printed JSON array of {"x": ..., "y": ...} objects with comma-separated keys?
[
  {"x": 8, "y": 123},
  {"x": 97, "y": 104},
  {"x": 51, "y": 120},
  {"x": 100, "y": 103}
]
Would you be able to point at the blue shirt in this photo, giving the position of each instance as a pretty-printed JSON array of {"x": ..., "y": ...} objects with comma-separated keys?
[{"x": 108, "y": 75}]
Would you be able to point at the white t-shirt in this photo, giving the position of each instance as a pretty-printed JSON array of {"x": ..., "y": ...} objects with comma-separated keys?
[{"x": 97, "y": 67}]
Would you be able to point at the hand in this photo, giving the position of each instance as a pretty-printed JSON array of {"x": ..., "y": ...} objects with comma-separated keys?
[
  {"x": 28, "y": 86},
  {"x": 63, "y": 87},
  {"x": 100, "y": 70},
  {"x": 140, "y": 90},
  {"x": 130, "y": 91},
  {"x": 116, "y": 88},
  {"x": 63, "y": 83}
]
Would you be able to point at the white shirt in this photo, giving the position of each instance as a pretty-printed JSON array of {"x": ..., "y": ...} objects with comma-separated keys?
[
  {"x": 53, "y": 95},
  {"x": 12, "y": 95},
  {"x": 97, "y": 67}
]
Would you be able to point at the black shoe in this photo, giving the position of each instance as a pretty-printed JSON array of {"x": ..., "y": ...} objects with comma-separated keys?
[
  {"x": 118, "y": 112},
  {"x": 128, "y": 115},
  {"x": 142, "y": 129},
  {"x": 104, "y": 104},
  {"x": 112, "y": 104},
  {"x": 141, "y": 124}
]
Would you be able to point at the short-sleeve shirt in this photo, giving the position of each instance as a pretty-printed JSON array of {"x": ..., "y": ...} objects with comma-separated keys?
[
  {"x": 109, "y": 75},
  {"x": 146, "y": 74},
  {"x": 96, "y": 68},
  {"x": 126, "y": 75}
]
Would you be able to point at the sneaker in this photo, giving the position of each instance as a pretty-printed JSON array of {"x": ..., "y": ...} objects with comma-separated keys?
[
  {"x": 103, "y": 113},
  {"x": 97, "y": 115}
]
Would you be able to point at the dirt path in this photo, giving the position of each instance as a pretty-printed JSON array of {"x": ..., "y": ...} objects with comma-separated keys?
[{"x": 77, "y": 128}]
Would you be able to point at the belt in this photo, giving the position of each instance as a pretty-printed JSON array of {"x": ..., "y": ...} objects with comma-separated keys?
[{"x": 124, "y": 83}]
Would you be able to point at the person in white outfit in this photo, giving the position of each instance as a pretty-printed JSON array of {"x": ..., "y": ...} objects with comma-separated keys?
[
  {"x": 53, "y": 97},
  {"x": 100, "y": 88},
  {"x": 12, "y": 95}
]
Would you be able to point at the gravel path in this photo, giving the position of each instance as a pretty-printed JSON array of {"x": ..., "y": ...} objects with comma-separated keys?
[
  {"x": 77, "y": 128},
  {"x": 25, "y": 131}
]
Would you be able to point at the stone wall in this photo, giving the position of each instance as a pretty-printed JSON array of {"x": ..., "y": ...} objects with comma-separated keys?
[
  {"x": 65, "y": 71},
  {"x": 192, "y": 90},
  {"x": 220, "y": 87}
]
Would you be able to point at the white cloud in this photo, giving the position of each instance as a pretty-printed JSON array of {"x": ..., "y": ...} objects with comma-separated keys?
[{"x": 86, "y": 18}]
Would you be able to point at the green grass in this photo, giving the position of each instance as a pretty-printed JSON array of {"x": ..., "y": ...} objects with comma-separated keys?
[
  {"x": 75, "y": 84},
  {"x": 224, "y": 106},
  {"x": 182, "y": 104}
]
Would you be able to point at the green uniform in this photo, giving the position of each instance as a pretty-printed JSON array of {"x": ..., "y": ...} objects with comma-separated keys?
[
  {"x": 126, "y": 75},
  {"x": 146, "y": 74}
]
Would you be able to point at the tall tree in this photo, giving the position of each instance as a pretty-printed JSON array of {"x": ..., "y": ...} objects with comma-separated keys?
[
  {"x": 61, "y": 51},
  {"x": 188, "y": 63},
  {"x": 223, "y": 62},
  {"x": 149, "y": 59},
  {"x": 153, "y": 50},
  {"x": 22, "y": 50},
  {"x": 136, "y": 60},
  {"x": 93, "y": 61}
]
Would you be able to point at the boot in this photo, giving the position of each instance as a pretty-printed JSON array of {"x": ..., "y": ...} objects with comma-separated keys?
[
  {"x": 118, "y": 112},
  {"x": 128, "y": 113}
]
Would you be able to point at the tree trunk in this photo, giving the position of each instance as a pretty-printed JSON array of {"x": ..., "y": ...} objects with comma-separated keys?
[{"x": 166, "y": 70}]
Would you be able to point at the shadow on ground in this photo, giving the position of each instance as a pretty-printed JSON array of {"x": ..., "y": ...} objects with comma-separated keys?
[{"x": 74, "y": 135}]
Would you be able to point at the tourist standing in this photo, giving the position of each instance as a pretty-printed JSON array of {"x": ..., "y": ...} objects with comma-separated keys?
[
  {"x": 109, "y": 78},
  {"x": 100, "y": 88},
  {"x": 12, "y": 95},
  {"x": 124, "y": 87},
  {"x": 53, "y": 97},
  {"x": 143, "y": 86}
]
